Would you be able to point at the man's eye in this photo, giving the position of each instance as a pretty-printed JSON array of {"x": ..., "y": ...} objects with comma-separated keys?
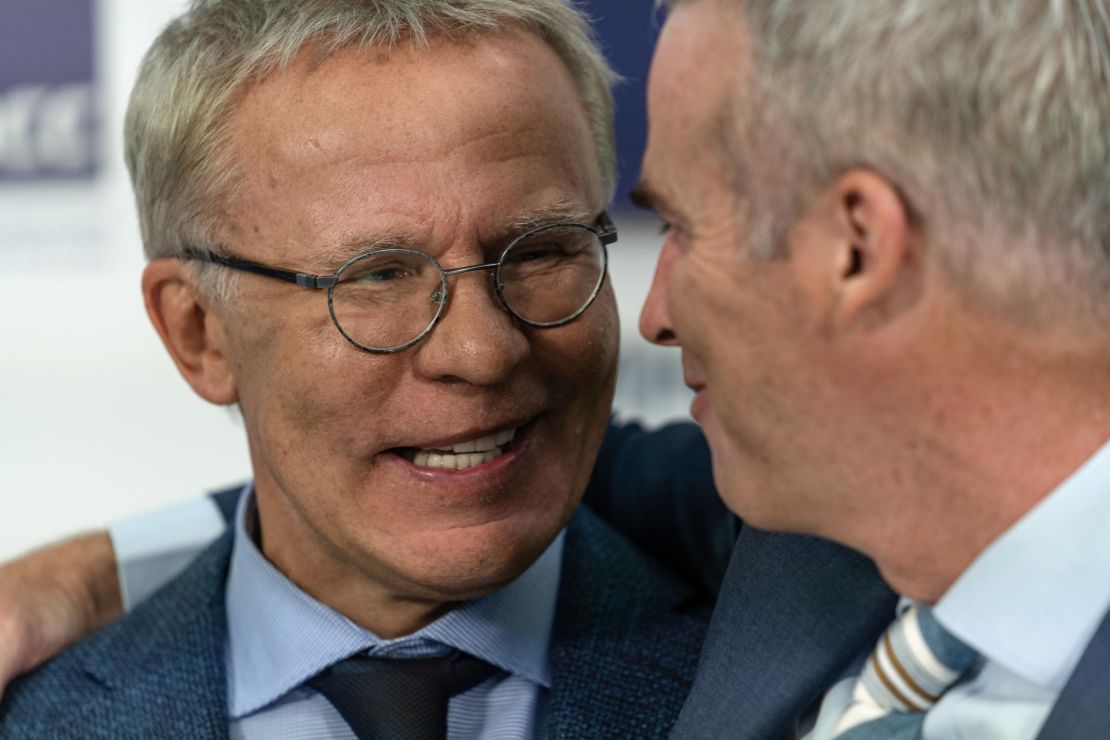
[
  {"x": 390, "y": 272},
  {"x": 664, "y": 228},
  {"x": 383, "y": 275},
  {"x": 535, "y": 252}
]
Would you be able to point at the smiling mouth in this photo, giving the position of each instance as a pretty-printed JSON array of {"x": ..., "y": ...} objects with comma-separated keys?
[{"x": 462, "y": 455}]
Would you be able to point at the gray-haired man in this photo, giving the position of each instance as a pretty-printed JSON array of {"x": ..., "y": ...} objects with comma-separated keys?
[
  {"x": 378, "y": 228},
  {"x": 888, "y": 269}
]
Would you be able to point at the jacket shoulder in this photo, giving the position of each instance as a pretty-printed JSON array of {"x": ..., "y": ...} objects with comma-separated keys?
[
  {"x": 158, "y": 672},
  {"x": 626, "y": 641}
]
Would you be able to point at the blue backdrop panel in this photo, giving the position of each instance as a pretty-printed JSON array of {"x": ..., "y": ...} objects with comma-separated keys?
[
  {"x": 628, "y": 29},
  {"x": 47, "y": 120}
]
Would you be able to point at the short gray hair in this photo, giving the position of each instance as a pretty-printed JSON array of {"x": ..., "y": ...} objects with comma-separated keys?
[
  {"x": 191, "y": 78},
  {"x": 991, "y": 116}
]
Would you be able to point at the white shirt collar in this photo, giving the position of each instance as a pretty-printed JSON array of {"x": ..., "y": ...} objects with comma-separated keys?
[
  {"x": 1033, "y": 599},
  {"x": 279, "y": 636}
]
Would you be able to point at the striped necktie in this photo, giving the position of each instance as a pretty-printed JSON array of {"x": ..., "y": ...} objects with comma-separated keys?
[{"x": 913, "y": 664}]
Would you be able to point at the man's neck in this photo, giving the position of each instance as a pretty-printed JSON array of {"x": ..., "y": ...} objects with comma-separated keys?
[{"x": 1011, "y": 438}]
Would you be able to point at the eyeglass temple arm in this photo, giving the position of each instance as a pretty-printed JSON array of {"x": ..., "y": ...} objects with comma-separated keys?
[
  {"x": 606, "y": 229},
  {"x": 288, "y": 276}
]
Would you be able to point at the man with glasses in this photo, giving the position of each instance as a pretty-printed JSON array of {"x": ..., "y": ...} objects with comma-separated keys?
[
  {"x": 378, "y": 228},
  {"x": 388, "y": 299}
]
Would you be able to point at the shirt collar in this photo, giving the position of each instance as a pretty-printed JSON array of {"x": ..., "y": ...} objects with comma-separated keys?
[
  {"x": 279, "y": 636},
  {"x": 1034, "y": 598}
]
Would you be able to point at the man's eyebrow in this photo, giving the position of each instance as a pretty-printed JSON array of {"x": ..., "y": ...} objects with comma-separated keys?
[
  {"x": 556, "y": 213},
  {"x": 562, "y": 212},
  {"x": 330, "y": 258}
]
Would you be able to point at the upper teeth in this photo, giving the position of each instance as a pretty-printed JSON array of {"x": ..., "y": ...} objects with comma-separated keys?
[
  {"x": 465, "y": 454},
  {"x": 485, "y": 444}
]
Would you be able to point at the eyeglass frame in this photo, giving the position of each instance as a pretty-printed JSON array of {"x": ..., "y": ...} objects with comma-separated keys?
[{"x": 605, "y": 231}]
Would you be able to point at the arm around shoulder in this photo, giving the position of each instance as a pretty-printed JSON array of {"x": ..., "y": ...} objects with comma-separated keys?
[
  {"x": 53, "y": 597},
  {"x": 655, "y": 486}
]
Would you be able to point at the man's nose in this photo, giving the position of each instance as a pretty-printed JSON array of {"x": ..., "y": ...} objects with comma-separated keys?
[
  {"x": 476, "y": 340},
  {"x": 655, "y": 318}
]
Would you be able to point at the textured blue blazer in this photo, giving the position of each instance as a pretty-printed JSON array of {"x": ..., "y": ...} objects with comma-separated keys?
[
  {"x": 792, "y": 612},
  {"x": 624, "y": 649}
]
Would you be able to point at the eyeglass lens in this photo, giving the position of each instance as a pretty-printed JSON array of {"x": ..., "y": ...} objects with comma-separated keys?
[{"x": 390, "y": 298}]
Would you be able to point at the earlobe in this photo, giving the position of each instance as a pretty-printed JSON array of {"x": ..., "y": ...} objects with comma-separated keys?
[
  {"x": 875, "y": 249},
  {"x": 192, "y": 333}
]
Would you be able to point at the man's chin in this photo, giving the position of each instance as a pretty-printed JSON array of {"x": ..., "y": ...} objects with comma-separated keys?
[{"x": 469, "y": 562}]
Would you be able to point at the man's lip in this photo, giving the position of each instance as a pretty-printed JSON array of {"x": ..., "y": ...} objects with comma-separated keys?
[
  {"x": 693, "y": 384},
  {"x": 691, "y": 374},
  {"x": 445, "y": 443},
  {"x": 699, "y": 404},
  {"x": 505, "y": 461}
]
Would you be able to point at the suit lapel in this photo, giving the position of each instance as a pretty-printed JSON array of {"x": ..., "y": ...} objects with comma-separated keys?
[
  {"x": 625, "y": 641},
  {"x": 1083, "y": 709},
  {"x": 792, "y": 614},
  {"x": 165, "y": 670}
]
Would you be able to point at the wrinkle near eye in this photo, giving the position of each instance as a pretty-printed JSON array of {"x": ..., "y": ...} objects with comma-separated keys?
[{"x": 331, "y": 259}]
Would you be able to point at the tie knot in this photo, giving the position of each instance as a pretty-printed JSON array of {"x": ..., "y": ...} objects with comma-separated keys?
[
  {"x": 399, "y": 698},
  {"x": 915, "y": 662},
  {"x": 449, "y": 674}
]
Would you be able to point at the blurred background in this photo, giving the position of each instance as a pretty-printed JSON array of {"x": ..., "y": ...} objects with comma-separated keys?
[{"x": 95, "y": 423}]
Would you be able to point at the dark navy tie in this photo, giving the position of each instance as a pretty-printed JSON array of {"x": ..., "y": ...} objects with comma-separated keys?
[{"x": 396, "y": 698}]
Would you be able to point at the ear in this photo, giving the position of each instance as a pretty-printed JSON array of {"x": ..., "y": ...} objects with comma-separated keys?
[
  {"x": 191, "y": 331},
  {"x": 863, "y": 231}
]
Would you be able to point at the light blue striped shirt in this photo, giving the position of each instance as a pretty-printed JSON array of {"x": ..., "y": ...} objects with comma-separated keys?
[{"x": 279, "y": 636}]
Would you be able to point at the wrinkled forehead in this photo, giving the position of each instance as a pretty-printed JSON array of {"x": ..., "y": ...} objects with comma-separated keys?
[{"x": 418, "y": 136}]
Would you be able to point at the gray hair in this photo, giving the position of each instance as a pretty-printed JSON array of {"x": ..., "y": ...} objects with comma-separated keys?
[
  {"x": 191, "y": 78},
  {"x": 991, "y": 116}
]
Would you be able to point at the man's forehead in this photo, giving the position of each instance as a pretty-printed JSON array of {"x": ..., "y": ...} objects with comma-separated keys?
[
  {"x": 702, "y": 62},
  {"x": 467, "y": 142},
  {"x": 387, "y": 94}
]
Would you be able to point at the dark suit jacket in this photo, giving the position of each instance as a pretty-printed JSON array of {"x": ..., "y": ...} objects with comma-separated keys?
[
  {"x": 792, "y": 612},
  {"x": 624, "y": 649}
]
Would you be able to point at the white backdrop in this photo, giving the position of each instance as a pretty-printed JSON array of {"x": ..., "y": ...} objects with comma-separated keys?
[{"x": 94, "y": 421}]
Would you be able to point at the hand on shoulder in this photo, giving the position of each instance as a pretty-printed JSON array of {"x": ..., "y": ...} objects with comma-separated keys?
[{"x": 51, "y": 598}]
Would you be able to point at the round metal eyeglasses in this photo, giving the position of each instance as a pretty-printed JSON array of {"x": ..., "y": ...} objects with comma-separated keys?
[{"x": 387, "y": 300}]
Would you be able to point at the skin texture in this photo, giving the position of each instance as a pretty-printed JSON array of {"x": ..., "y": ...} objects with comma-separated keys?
[
  {"x": 848, "y": 389},
  {"x": 335, "y": 157},
  {"x": 729, "y": 312}
]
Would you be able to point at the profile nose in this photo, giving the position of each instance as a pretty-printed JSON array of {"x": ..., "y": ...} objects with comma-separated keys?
[
  {"x": 476, "y": 340},
  {"x": 655, "y": 319}
]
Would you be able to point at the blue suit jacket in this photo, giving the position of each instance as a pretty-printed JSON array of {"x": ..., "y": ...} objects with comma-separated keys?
[
  {"x": 792, "y": 612},
  {"x": 623, "y": 653}
]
